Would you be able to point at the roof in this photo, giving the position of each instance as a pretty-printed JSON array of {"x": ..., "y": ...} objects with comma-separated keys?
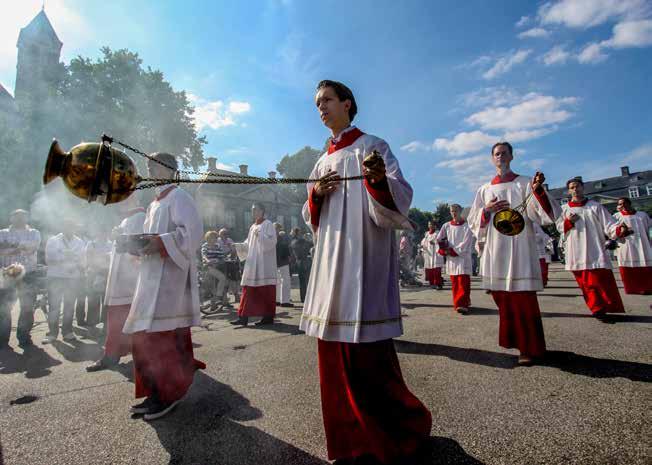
[
  {"x": 39, "y": 30},
  {"x": 608, "y": 187}
]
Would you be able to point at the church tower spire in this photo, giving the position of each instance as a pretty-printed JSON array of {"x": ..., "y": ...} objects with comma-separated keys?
[{"x": 39, "y": 50}]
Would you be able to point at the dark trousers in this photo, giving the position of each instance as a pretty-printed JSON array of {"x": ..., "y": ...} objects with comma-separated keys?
[
  {"x": 303, "y": 270},
  {"x": 26, "y": 295},
  {"x": 62, "y": 292}
]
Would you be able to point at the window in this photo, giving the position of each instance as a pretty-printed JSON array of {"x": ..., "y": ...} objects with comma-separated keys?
[
  {"x": 229, "y": 218},
  {"x": 598, "y": 185},
  {"x": 633, "y": 192},
  {"x": 649, "y": 189}
]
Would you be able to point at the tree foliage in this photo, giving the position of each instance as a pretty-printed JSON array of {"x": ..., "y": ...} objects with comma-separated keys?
[{"x": 298, "y": 165}]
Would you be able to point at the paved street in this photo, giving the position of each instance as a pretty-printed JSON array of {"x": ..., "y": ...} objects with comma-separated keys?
[{"x": 258, "y": 400}]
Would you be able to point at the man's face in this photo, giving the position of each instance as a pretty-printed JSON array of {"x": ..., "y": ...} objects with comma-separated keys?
[
  {"x": 257, "y": 213},
  {"x": 576, "y": 190},
  {"x": 431, "y": 225},
  {"x": 455, "y": 212},
  {"x": 212, "y": 239},
  {"x": 223, "y": 235},
  {"x": 622, "y": 205},
  {"x": 19, "y": 220},
  {"x": 158, "y": 171},
  {"x": 501, "y": 156},
  {"x": 333, "y": 112}
]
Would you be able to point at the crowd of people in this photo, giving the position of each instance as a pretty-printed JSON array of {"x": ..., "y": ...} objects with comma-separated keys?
[{"x": 144, "y": 281}]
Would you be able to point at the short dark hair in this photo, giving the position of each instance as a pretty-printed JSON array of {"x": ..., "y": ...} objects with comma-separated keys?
[
  {"x": 576, "y": 179},
  {"x": 258, "y": 206},
  {"x": 342, "y": 92},
  {"x": 626, "y": 200},
  {"x": 506, "y": 144},
  {"x": 167, "y": 159}
]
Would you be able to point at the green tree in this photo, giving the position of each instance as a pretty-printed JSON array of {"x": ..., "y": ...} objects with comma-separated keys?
[
  {"x": 420, "y": 219},
  {"x": 298, "y": 165},
  {"x": 442, "y": 214}
]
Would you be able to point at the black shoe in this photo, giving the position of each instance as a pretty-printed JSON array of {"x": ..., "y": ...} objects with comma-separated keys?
[
  {"x": 242, "y": 321},
  {"x": 287, "y": 305},
  {"x": 102, "y": 364},
  {"x": 160, "y": 409},
  {"x": 25, "y": 343},
  {"x": 268, "y": 320},
  {"x": 143, "y": 407},
  {"x": 278, "y": 303}
]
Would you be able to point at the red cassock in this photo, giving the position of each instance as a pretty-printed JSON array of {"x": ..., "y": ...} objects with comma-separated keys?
[
  {"x": 637, "y": 280},
  {"x": 520, "y": 322},
  {"x": 164, "y": 363},
  {"x": 117, "y": 343},
  {"x": 599, "y": 290},
  {"x": 366, "y": 405},
  {"x": 544, "y": 271},
  {"x": 433, "y": 276},
  {"x": 461, "y": 286},
  {"x": 258, "y": 301}
]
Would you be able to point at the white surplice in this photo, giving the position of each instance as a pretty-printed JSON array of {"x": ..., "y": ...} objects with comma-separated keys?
[
  {"x": 124, "y": 267},
  {"x": 544, "y": 243},
  {"x": 353, "y": 293},
  {"x": 431, "y": 259},
  {"x": 259, "y": 251},
  {"x": 635, "y": 250},
  {"x": 460, "y": 239},
  {"x": 167, "y": 294},
  {"x": 584, "y": 243},
  {"x": 510, "y": 263}
]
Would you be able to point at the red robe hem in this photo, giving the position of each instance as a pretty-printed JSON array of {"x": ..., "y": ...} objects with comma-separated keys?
[
  {"x": 258, "y": 301},
  {"x": 117, "y": 344},
  {"x": 461, "y": 287},
  {"x": 366, "y": 405},
  {"x": 520, "y": 324},
  {"x": 164, "y": 364},
  {"x": 637, "y": 280},
  {"x": 433, "y": 276},
  {"x": 544, "y": 271},
  {"x": 599, "y": 290}
]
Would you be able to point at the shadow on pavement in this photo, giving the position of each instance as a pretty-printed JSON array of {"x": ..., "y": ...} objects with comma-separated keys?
[
  {"x": 79, "y": 351},
  {"x": 442, "y": 451},
  {"x": 413, "y": 306},
  {"x": 34, "y": 362},
  {"x": 205, "y": 429},
  {"x": 569, "y": 362}
]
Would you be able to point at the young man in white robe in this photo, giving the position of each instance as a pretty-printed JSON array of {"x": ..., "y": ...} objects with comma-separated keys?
[
  {"x": 432, "y": 260},
  {"x": 544, "y": 247},
  {"x": 509, "y": 265},
  {"x": 120, "y": 288},
  {"x": 260, "y": 272},
  {"x": 352, "y": 302},
  {"x": 455, "y": 242},
  {"x": 166, "y": 301},
  {"x": 586, "y": 225},
  {"x": 634, "y": 253}
]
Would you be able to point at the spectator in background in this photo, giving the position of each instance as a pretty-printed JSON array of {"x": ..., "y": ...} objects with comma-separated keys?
[
  {"x": 64, "y": 256},
  {"x": 19, "y": 244},
  {"x": 98, "y": 259},
  {"x": 283, "y": 256},
  {"x": 300, "y": 249}
]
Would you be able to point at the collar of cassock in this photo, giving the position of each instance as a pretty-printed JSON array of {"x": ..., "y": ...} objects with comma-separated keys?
[
  {"x": 457, "y": 223},
  {"x": 431, "y": 231},
  {"x": 581, "y": 203},
  {"x": 344, "y": 139},
  {"x": 627, "y": 212},
  {"x": 509, "y": 177},
  {"x": 161, "y": 195}
]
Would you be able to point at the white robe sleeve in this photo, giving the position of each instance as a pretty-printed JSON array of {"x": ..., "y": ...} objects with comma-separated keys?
[
  {"x": 267, "y": 236},
  {"x": 400, "y": 190},
  {"x": 476, "y": 213},
  {"x": 609, "y": 224},
  {"x": 186, "y": 237},
  {"x": 536, "y": 212},
  {"x": 464, "y": 246}
]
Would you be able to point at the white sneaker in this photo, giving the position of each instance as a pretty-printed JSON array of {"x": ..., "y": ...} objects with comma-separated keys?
[
  {"x": 48, "y": 340},
  {"x": 70, "y": 337}
]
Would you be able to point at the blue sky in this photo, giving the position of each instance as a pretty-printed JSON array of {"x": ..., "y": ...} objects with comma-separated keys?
[{"x": 566, "y": 80}]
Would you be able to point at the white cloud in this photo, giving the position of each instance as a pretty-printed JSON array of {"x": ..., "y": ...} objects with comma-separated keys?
[
  {"x": 631, "y": 34},
  {"x": 416, "y": 146},
  {"x": 524, "y": 134},
  {"x": 535, "y": 111},
  {"x": 524, "y": 21},
  {"x": 638, "y": 159},
  {"x": 583, "y": 14},
  {"x": 470, "y": 172},
  {"x": 215, "y": 114},
  {"x": 534, "y": 33},
  {"x": 556, "y": 55},
  {"x": 506, "y": 63},
  {"x": 465, "y": 142},
  {"x": 592, "y": 54},
  {"x": 501, "y": 95}
]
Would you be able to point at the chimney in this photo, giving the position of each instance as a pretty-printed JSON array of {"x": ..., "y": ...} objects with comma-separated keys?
[
  {"x": 624, "y": 170},
  {"x": 272, "y": 174},
  {"x": 212, "y": 164},
  {"x": 244, "y": 170}
]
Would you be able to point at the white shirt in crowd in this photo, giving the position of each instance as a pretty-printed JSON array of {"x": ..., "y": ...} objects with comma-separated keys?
[{"x": 65, "y": 256}]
